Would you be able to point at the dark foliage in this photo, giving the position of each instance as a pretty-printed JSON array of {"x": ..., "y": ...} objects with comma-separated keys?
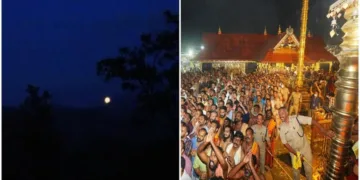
[
  {"x": 151, "y": 68},
  {"x": 34, "y": 150},
  {"x": 33, "y": 142}
]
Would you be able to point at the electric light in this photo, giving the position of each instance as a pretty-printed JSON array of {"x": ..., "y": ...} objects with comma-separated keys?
[
  {"x": 345, "y": 5},
  {"x": 191, "y": 53},
  {"x": 202, "y": 47}
]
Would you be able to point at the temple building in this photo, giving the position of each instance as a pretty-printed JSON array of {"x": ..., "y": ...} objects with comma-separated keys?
[{"x": 248, "y": 51}]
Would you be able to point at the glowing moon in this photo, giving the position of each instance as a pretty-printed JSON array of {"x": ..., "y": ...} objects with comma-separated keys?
[{"x": 107, "y": 100}]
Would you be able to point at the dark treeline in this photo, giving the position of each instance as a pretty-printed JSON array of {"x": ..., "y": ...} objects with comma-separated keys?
[{"x": 34, "y": 148}]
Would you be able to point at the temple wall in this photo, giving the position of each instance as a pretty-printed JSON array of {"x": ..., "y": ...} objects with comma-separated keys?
[
  {"x": 236, "y": 66},
  {"x": 242, "y": 65}
]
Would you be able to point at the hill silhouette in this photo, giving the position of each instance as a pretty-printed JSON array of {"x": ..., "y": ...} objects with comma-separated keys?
[
  {"x": 124, "y": 140},
  {"x": 96, "y": 143}
]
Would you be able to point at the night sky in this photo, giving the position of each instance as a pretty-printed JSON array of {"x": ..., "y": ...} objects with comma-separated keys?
[
  {"x": 55, "y": 45},
  {"x": 234, "y": 16}
]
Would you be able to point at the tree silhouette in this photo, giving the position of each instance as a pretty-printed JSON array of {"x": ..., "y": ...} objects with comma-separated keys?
[
  {"x": 151, "y": 69},
  {"x": 41, "y": 141},
  {"x": 34, "y": 104}
]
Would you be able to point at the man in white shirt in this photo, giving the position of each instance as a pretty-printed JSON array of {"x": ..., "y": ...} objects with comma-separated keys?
[{"x": 184, "y": 175}]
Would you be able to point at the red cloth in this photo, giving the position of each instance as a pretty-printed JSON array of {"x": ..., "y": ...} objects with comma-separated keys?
[
  {"x": 269, "y": 160},
  {"x": 216, "y": 139},
  {"x": 352, "y": 175}
]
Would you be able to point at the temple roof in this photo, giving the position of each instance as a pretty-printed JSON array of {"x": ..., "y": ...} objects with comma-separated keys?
[
  {"x": 231, "y": 46},
  {"x": 261, "y": 48}
]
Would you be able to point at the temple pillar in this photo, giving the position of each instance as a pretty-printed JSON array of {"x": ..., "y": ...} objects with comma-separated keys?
[
  {"x": 346, "y": 98},
  {"x": 303, "y": 29},
  {"x": 317, "y": 66},
  {"x": 330, "y": 66}
]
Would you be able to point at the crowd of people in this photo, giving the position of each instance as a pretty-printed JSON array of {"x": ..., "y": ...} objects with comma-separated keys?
[{"x": 230, "y": 121}]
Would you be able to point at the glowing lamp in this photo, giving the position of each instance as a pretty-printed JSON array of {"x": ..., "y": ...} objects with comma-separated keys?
[
  {"x": 191, "y": 53},
  {"x": 345, "y": 5}
]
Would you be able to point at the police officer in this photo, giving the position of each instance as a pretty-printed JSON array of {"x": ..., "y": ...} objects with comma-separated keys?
[
  {"x": 293, "y": 137},
  {"x": 262, "y": 139}
]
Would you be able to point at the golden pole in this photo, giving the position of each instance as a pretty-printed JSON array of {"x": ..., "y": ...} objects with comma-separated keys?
[
  {"x": 304, "y": 18},
  {"x": 346, "y": 98}
]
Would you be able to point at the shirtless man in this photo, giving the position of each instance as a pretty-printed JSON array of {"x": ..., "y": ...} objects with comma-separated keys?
[
  {"x": 196, "y": 114},
  {"x": 215, "y": 163},
  {"x": 295, "y": 99},
  {"x": 233, "y": 152},
  {"x": 284, "y": 91},
  {"x": 222, "y": 115},
  {"x": 246, "y": 169},
  {"x": 249, "y": 145},
  {"x": 201, "y": 123},
  {"x": 240, "y": 126},
  {"x": 276, "y": 105},
  {"x": 215, "y": 128},
  {"x": 226, "y": 137}
]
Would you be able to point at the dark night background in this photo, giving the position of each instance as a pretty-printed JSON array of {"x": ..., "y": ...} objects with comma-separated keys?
[
  {"x": 60, "y": 59},
  {"x": 234, "y": 16},
  {"x": 56, "y": 44},
  {"x": 68, "y": 48}
]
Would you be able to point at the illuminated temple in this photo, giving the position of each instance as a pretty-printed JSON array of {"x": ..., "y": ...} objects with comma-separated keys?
[{"x": 247, "y": 51}]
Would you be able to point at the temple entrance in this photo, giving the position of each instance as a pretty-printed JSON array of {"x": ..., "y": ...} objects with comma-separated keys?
[
  {"x": 206, "y": 66},
  {"x": 325, "y": 67},
  {"x": 250, "y": 68}
]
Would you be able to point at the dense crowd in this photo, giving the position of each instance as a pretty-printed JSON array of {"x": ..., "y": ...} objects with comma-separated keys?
[{"x": 230, "y": 120}]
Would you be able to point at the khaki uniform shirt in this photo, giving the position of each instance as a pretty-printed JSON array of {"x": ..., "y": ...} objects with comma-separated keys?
[
  {"x": 292, "y": 133},
  {"x": 260, "y": 135}
]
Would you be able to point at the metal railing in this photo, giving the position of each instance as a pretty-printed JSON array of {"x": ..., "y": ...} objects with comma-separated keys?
[
  {"x": 316, "y": 135},
  {"x": 319, "y": 143}
]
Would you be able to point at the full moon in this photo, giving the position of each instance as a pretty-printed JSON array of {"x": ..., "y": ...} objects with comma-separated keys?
[{"x": 107, "y": 100}]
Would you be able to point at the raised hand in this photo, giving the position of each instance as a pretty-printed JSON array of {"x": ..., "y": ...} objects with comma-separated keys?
[
  {"x": 230, "y": 160},
  {"x": 225, "y": 154},
  {"x": 209, "y": 137},
  {"x": 247, "y": 158}
]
